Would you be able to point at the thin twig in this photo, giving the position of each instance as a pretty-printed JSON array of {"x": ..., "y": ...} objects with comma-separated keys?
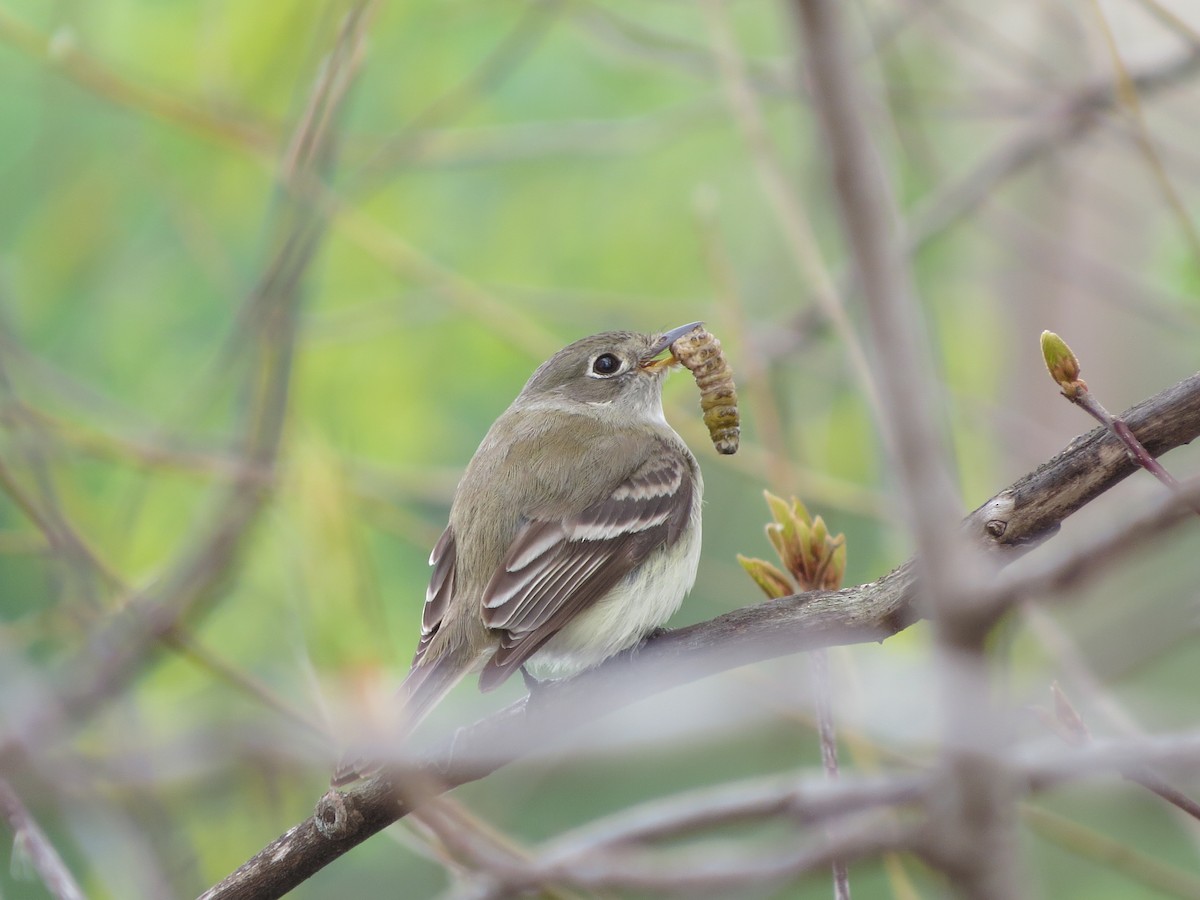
[
  {"x": 818, "y": 665},
  {"x": 1065, "y": 370},
  {"x": 513, "y": 49},
  {"x": 975, "y": 841},
  {"x": 31, "y": 842},
  {"x": 1117, "y": 855},
  {"x": 1172, "y": 20},
  {"x": 1128, "y": 536},
  {"x": 808, "y": 802},
  {"x": 1071, "y": 727},
  {"x": 186, "y": 644},
  {"x": 1066, "y": 121},
  {"x": 1087, "y": 401},
  {"x": 60, "y": 52},
  {"x": 634, "y": 38},
  {"x": 59, "y": 534},
  {"x": 712, "y": 871},
  {"x": 1155, "y": 783},
  {"x": 1127, "y": 94},
  {"x": 1041, "y": 767},
  {"x": 79, "y": 558}
]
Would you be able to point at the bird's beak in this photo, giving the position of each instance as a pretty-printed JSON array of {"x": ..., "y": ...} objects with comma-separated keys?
[{"x": 651, "y": 363}]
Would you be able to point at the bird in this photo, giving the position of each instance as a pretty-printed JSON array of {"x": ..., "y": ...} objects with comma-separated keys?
[{"x": 573, "y": 534}]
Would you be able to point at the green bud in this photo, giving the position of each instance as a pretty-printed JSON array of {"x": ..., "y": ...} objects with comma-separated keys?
[
  {"x": 780, "y": 511},
  {"x": 836, "y": 573},
  {"x": 773, "y": 582},
  {"x": 1062, "y": 364},
  {"x": 800, "y": 511},
  {"x": 820, "y": 533},
  {"x": 803, "y": 544},
  {"x": 778, "y": 542}
]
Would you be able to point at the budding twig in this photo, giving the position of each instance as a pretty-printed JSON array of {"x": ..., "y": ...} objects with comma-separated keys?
[{"x": 1064, "y": 369}]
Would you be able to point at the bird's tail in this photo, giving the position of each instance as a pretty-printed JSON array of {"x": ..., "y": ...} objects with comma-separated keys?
[{"x": 422, "y": 690}]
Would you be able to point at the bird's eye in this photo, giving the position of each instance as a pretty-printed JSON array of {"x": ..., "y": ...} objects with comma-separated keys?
[{"x": 606, "y": 364}]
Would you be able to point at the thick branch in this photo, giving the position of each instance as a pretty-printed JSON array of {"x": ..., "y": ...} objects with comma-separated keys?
[{"x": 1027, "y": 512}]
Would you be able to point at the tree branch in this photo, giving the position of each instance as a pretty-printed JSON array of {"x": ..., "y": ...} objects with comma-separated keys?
[
  {"x": 707, "y": 872},
  {"x": 1026, "y": 513},
  {"x": 37, "y": 848}
]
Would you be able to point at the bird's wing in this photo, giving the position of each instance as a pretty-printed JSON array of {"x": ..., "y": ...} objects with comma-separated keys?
[
  {"x": 557, "y": 567},
  {"x": 439, "y": 592}
]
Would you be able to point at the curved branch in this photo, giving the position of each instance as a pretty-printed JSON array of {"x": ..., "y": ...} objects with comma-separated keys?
[{"x": 1024, "y": 514}]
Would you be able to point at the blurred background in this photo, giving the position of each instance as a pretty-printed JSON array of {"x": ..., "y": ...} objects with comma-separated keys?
[{"x": 226, "y": 451}]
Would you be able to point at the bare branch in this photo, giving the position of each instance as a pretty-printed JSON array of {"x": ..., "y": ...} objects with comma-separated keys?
[
  {"x": 806, "y": 801},
  {"x": 65, "y": 56},
  {"x": 1070, "y": 725},
  {"x": 1065, "y": 122},
  {"x": 702, "y": 870},
  {"x": 802, "y": 801},
  {"x": 37, "y": 847},
  {"x": 827, "y": 733},
  {"x": 975, "y": 841},
  {"x": 1042, "y": 768},
  {"x": 1126, "y": 537}
]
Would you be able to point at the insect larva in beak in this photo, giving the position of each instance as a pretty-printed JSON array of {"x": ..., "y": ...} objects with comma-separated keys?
[{"x": 700, "y": 353}]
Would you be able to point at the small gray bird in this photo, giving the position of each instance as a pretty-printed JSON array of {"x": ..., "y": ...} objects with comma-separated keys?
[{"x": 574, "y": 533}]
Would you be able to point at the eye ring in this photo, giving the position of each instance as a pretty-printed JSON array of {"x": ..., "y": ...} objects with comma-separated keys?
[{"x": 606, "y": 365}]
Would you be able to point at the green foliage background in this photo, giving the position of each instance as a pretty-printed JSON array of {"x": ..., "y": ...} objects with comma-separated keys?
[{"x": 592, "y": 177}]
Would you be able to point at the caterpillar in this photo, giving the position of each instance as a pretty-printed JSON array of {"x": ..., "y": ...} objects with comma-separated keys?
[{"x": 700, "y": 353}]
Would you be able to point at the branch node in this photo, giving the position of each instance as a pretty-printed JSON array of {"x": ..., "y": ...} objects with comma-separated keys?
[
  {"x": 996, "y": 515},
  {"x": 334, "y": 818}
]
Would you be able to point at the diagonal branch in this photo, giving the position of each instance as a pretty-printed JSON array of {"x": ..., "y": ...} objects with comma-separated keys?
[
  {"x": 37, "y": 847},
  {"x": 1027, "y": 512}
]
